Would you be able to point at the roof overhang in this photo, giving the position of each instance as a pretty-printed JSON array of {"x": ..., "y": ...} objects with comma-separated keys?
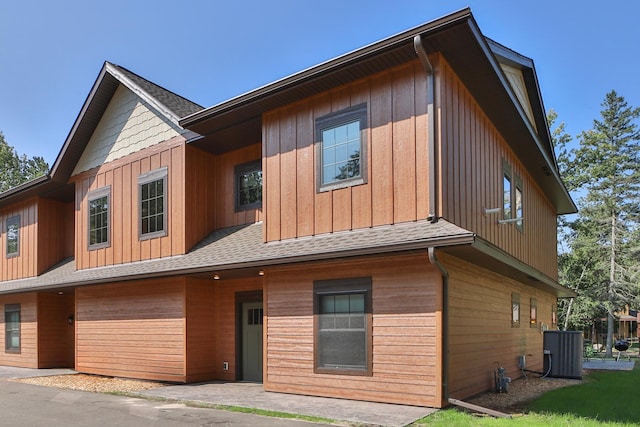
[{"x": 458, "y": 38}]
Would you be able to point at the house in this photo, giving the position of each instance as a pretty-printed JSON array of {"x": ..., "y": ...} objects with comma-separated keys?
[{"x": 379, "y": 227}]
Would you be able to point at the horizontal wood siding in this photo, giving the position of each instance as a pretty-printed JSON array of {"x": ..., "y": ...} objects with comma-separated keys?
[
  {"x": 55, "y": 333},
  {"x": 225, "y": 315},
  {"x": 201, "y": 328},
  {"x": 396, "y": 147},
  {"x": 406, "y": 366},
  {"x": 25, "y": 264},
  {"x": 134, "y": 329},
  {"x": 122, "y": 176},
  {"x": 480, "y": 334},
  {"x": 225, "y": 193},
  {"x": 28, "y": 356},
  {"x": 472, "y": 153}
]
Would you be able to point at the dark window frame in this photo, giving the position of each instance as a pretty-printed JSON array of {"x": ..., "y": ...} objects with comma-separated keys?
[
  {"x": 146, "y": 179},
  {"x": 92, "y": 197},
  {"x": 12, "y": 221},
  {"x": 341, "y": 287},
  {"x": 507, "y": 194},
  {"x": 515, "y": 310},
  {"x": 519, "y": 202},
  {"x": 11, "y": 309},
  {"x": 239, "y": 172},
  {"x": 335, "y": 120}
]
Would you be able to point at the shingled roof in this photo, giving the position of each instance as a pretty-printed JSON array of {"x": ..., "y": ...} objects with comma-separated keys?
[{"x": 243, "y": 247}]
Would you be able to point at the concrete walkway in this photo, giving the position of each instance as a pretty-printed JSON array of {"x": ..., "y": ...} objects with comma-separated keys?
[
  {"x": 608, "y": 365},
  {"x": 252, "y": 395}
]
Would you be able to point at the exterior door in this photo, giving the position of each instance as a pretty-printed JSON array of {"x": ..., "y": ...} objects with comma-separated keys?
[{"x": 252, "y": 341}]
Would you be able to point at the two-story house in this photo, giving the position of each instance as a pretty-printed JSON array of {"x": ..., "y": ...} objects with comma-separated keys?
[{"x": 379, "y": 227}]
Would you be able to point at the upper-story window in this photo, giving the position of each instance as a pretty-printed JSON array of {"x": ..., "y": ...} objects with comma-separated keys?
[
  {"x": 13, "y": 236},
  {"x": 533, "y": 307},
  {"x": 248, "y": 188},
  {"x": 515, "y": 310},
  {"x": 152, "y": 188},
  {"x": 341, "y": 148},
  {"x": 512, "y": 196},
  {"x": 99, "y": 218}
]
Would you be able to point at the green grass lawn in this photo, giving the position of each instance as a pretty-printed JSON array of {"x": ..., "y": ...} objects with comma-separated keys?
[{"x": 605, "y": 398}]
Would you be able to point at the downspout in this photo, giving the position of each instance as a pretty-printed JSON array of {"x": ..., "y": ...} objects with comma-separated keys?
[
  {"x": 445, "y": 322},
  {"x": 431, "y": 129}
]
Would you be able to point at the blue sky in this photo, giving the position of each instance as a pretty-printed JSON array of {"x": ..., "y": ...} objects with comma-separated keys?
[{"x": 210, "y": 51}]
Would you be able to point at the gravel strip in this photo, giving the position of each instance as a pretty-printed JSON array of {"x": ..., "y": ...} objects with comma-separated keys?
[{"x": 94, "y": 383}]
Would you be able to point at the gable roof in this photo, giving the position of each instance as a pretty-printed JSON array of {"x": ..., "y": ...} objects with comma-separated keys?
[
  {"x": 458, "y": 38},
  {"x": 54, "y": 184},
  {"x": 165, "y": 102}
]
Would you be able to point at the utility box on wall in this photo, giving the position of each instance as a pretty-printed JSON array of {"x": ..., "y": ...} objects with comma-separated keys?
[{"x": 563, "y": 354}]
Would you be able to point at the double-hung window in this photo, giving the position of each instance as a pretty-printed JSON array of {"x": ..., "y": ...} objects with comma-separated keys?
[
  {"x": 99, "y": 218},
  {"x": 152, "y": 188},
  {"x": 343, "y": 327},
  {"x": 12, "y": 328},
  {"x": 13, "y": 236},
  {"x": 248, "y": 186},
  {"x": 341, "y": 148}
]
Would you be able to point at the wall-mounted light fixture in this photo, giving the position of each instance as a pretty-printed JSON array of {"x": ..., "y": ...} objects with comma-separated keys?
[
  {"x": 216, "y": 276},
  {"x": 70, "y": 319},
  {"x": 261, "y": 273}
]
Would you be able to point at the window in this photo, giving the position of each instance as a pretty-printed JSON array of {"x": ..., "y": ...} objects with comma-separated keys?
[
  {"x": 506, "y": 191},
  {"x": 343, "y": 326},
  {"x": 341, "y": 150},
  {"x": 534, "y": 312},
  {"x": 512, "y": 197},
  {"x": 554, "y": 315},
  {"x": 248, "y": 186},
  {"x": 99, "y": 218},
  {"x": 152, "y": 187},
  {"x": 515, "y": 310},
  {"x": 254, "y": 316},
  {"x": 12, "y": 328},
  {"x": 518, "y": 198},
  {"x": 13, "y": 236}
]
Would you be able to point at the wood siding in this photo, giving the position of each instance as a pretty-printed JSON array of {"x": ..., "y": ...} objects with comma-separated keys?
[
  {"x": 28, "y": 356},
  {"x": 122, "y": 176},
  {"x": 480, "y": 332},
  {"x": 472, "y": 154},
  {"x": 132, "y": 330},
  {"x": 56, "y": 335},
  {"x": 25, "y": 264},
  {"x": 200, "y": 338},
  {"x": 55, "y": 233},
  {"x": 226, "y": 186},
  {"x": 397, "y": 171},
  {"x": 405, "y": 305}
]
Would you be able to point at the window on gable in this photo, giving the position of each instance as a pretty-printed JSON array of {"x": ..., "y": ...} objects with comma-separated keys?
[
  {"x": 534, "y": 312},
  {"x": 515, "y": 310},
  {"x": 342, "y": 343},
  {"x": 12, "y": 328},
  {"x": 152, "y": 187},
  {"x": 506, "y": 193},
  {"x": 518, "y": 200},
  {"x": 98, "y": 201},
  {"x": 248, "y": 188},
  {"x": 341, "y": 148},
  {"x": 13, "y": 236}
]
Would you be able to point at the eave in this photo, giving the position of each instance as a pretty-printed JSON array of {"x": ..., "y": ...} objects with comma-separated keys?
[{"x": 457, "y": 37}]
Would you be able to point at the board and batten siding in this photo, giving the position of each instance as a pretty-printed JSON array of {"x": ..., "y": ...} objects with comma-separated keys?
[
  {"x": 480, "y": 334},
  {"x": 122, "y": 176},
  {"x": 406, "y": 312},
  {"x": 28, "y": 355},
  {"x": 25, "y": 264},
  {"x": 472, "y": 152},
  {"x": 396, "y": 145}
]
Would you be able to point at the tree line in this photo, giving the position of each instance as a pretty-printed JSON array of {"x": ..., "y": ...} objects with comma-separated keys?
[
  {"x": 599, "y": 247},
  {"x": 16, "y": 169}
]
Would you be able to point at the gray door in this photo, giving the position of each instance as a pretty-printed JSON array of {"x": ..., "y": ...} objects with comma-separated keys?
[{"x": 252, "y": 341}]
